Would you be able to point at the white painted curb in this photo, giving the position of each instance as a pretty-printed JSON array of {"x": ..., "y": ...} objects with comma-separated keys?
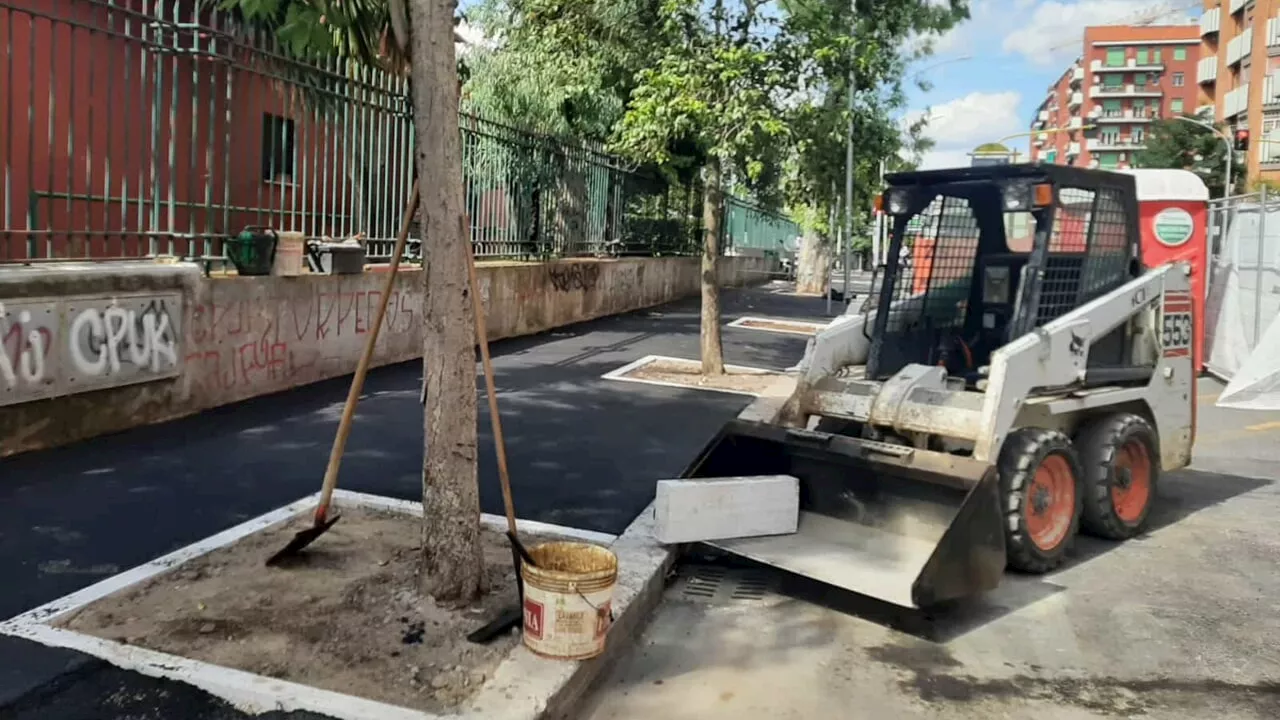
[
  {"x": 813, "y": 327},
  {"x": 620, "y": 374}
]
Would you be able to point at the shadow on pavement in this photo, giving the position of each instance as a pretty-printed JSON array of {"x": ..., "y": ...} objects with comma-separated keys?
[{"x": 1180, "y": 494}]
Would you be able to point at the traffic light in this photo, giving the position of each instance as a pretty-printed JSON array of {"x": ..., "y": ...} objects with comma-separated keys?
[{"x": 1242, "y": 140}]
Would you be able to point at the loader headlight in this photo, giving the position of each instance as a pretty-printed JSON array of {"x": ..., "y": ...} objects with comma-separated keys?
[
  {"x": 896, "y": 201},
  {"x": 1017, "y": 197},
  {"x": 1022, "y": 197}
]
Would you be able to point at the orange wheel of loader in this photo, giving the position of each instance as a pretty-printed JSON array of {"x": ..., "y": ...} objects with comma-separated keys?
[
  {"x": 1120, "y": 454},
  {"x": 1040, "y": 483}
]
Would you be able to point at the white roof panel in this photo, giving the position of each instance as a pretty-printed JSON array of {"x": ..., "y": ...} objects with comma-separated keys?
[{"x": 1162, "y": 184}]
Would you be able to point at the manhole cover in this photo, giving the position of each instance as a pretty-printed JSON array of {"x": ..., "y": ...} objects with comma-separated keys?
[{"x": 718, "y": 585}]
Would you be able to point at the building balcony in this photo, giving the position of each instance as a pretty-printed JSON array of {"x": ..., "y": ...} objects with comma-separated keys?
[
  {"x": 1235, "y": 102},
  {"x": 1205, "y": 112},
  {"x": 1271, "y": 88},
  {"x": 1077, "y": 75},
  {"x": 1236, "y": 6},
  {"x": 1075, "y": 100},
  {"x": 1112, "y": 143},
  {"x": 1207, "y": 70},
  {"x": 1239, "y": 47},
  {"x": 1122, "y": 91},
  {"x": 1210, "y": 21},
  {"x": 1073, "y": 149},
  {"x": 1130, "y": 65},
  {"x": 1124, "y": 116},
  {"x": 1043, "y": 116},
  {"x": 1075, "y": 123},
  {"x": 1273, "y": 35}
]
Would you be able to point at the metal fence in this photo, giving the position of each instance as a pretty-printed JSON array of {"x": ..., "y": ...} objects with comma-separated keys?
[
  {"x": 1244, "y": 278},
  {"x": 136, "y": 128},
  {"x": 750, "y": 226}
]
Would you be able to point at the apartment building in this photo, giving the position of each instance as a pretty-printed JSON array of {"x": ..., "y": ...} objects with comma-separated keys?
[
  {"x": 1237, "y": 75},
  {"x": 1096, "y": 114}
]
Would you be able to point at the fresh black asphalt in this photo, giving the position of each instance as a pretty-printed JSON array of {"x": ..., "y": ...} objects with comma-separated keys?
[{"x": 583, "y": 452}]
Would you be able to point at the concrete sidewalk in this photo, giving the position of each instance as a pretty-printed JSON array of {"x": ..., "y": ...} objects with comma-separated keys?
[
  {"x": 584, "y": 452},
  {"x": 1178, "y": 624}
]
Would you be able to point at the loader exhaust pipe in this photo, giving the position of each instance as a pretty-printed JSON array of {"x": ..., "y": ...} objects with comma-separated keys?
[{"x": 910, "y": 527}]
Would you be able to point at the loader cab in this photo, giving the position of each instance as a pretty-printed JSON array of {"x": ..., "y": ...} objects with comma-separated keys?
[{"x": 996, "y": 252}]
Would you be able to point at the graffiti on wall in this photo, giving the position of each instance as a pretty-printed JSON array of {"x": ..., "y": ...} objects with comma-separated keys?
[
  {"x": 64, "y": 346},
  {"x": 576, "y": 276},
  {"x": 262, "y": 341}
]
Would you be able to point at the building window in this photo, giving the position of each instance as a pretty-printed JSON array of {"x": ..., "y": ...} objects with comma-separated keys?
[
  {"x": 1107, "y": 160},
  {"x": 1157, "y": 57},
  {"x": 1177, "y": 79},
  {"x": 1140, "y": 79},
  {"x": 1175, "y": 106},
  {"x": 1115, "y": 57},
  {"x": 1179, "y": 54},
  {"x": 1110, "y": 136},
  {"x": 1135, "y": 134},
  {"x": 1143, "y": 57},
  {"x": 277, "y": 148},
  {"x": 1111, "y": 108},
  {"x": 1112, "y": 80}
]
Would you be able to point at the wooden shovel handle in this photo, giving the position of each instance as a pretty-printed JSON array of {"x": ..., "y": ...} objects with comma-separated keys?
[
  {"x": 366, "y": 357},
  {"x": 482, "y": 339}
]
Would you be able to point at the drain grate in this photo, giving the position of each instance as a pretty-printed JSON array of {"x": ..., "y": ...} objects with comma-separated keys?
[{"x": 718, "y": 585}]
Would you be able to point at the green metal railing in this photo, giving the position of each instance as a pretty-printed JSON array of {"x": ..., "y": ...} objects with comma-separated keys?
[{"x": 748, "y": 226}]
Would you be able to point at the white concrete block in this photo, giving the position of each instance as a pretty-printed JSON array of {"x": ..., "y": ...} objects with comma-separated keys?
[{"x": 724, "y": 508}]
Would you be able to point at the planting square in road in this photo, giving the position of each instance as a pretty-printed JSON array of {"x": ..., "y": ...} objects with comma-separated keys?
[
  {"x": 684, "y": 373},
  {"x": 789, "y": 327},
  {"x": 503, "y": 692}
]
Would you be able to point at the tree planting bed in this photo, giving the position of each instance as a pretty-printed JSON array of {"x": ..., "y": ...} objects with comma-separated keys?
[
  {"x": 345, "y": 615},
  {"x": 679, "y": 372},
  {"x": 342, "y": 629}
]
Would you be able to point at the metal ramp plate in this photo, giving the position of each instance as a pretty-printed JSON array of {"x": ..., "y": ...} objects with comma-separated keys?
[{"x": 860, "y": 558}]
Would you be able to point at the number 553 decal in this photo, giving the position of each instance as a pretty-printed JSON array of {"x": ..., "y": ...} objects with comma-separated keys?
[{"x": 1177, "y": 332}]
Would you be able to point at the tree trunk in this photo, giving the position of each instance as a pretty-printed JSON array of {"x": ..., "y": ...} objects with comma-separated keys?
[
  {"x": 813, "y": 266},
  {"x": 712, "y": 206},
  {"x": 452, "y": 563}
]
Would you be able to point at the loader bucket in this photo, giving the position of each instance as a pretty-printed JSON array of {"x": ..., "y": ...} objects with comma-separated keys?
[{"x": 910, "y": 527}]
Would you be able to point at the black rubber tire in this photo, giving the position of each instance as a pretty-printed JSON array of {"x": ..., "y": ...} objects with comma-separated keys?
[
  {"x": 1099, "y": 443},
  {"x": 1023, "y": 453}
]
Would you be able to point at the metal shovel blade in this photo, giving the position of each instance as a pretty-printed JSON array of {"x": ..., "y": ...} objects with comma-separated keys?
[
  {"x": 907, "y": 526},
  {"x": 302, "y": 539}
]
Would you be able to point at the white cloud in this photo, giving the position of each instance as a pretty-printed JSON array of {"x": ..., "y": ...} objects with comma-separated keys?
[
  {"x": 959, "y": 125},
  {"x": 972, "y": 119},
  {"x": 1053, "y": 31},
  {"x": 1049, "y": 32}
]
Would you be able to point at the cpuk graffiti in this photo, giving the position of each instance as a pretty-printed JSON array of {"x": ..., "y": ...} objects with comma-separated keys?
[{"x": 70, "y": 345}]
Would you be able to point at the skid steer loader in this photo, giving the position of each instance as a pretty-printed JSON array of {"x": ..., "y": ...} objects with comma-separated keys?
[{"x": 1023, "y": 377}]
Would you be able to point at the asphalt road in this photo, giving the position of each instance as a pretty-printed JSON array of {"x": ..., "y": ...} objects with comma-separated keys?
[
  {"x": 583, "y": 452},
  {"x": 1179, "y": 623}
]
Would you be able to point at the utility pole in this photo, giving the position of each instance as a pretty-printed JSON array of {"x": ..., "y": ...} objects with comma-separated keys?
[{"x": 848, "y": 153}]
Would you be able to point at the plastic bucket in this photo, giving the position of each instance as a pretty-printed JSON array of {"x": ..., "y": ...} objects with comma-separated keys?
[
  {"x": 568, "y": 599},
  {"x": 289, "y": 250}
]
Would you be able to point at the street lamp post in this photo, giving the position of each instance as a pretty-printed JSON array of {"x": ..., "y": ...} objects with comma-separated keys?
[{"x": 1226, "y": 184}]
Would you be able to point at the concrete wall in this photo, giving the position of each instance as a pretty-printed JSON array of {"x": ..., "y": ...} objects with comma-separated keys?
[{"x": 94, "y": 348}]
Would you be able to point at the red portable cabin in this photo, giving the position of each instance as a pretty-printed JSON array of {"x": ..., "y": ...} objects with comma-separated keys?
[{"x": 1173, "y": 207}]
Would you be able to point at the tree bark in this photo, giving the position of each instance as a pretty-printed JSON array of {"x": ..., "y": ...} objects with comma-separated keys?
[
  {"x": 813, "y": 266},
  {"x": 712, "y": 207},
  {"x": 452, "y": 562}
]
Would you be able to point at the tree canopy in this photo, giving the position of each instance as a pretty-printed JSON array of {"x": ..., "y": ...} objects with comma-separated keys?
[{"x": 1183, "y": 145}]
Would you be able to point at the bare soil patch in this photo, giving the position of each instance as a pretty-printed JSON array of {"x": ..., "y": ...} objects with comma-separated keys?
[
  {"x": 345, "y": 616},
  {"x": 781, "y": 326},
  {"x": 689, "y": 373}
]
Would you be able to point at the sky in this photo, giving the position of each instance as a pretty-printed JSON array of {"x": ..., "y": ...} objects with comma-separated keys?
[{"x": 989, "y": 74}]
